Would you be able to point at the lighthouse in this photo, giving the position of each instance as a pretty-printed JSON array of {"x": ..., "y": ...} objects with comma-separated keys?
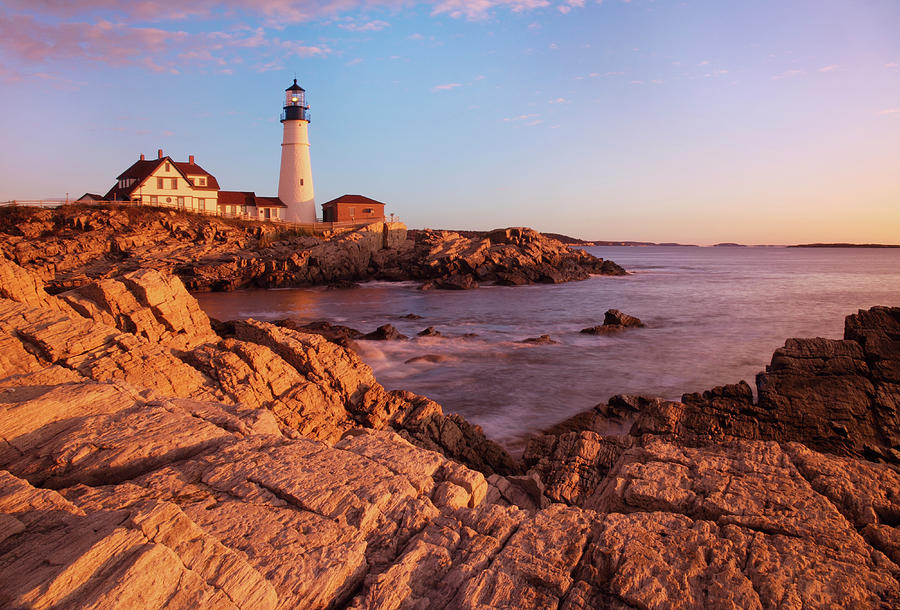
[{"x": 295, "y": 185}]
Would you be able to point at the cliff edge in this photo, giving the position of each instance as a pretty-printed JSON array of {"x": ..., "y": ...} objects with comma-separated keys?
[{"x": 72, "y": 245}]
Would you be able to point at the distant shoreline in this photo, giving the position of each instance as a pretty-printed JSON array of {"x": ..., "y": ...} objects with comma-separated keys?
[
  {"x": 841, "y": 245},
  {"x": 568, "y": 240}
]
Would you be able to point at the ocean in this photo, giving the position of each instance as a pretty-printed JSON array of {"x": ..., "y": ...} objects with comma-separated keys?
[{"x": 713, "y": 316}]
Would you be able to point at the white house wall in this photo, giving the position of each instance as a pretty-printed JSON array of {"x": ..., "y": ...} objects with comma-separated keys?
[{"x": 168, "y": 197}]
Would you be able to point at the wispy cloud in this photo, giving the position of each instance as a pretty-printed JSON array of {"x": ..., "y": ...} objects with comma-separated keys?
[
  {"x": 569, "y": 5},
  {"x": 892, "y": 65},
  {"x": 787, "y": 74},
  {"x": 893, "y": 112},
  {"x": 369, "y": 26},
  {"x": 830, "y": 68},
  {"x": 25, "y": 39},
  {"x": 197, "y": 33},
  {"x": 522, "y": 117},
  {"x": 445, "y": 87},
  {"x": 481, "y": 9}
]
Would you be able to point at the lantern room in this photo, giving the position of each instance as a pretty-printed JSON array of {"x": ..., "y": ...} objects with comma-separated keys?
[{"x": 295, "y": 107}]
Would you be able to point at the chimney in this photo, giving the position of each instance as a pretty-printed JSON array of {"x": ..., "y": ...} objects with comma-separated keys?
[
  {"x": 159, "y": 154},
  {"x": 191, "y": 159},
  {"x": 142, "y": 156}
]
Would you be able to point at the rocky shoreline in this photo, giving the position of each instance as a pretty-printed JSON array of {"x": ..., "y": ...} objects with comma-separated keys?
[
  {"x": 69, "y": 246},
  {"x": 148, "y": 460}
]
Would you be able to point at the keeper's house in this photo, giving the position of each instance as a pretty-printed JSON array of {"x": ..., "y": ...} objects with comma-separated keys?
[
  {"x": 186, "y": 186},
  {"x": 352, "y": 208}
]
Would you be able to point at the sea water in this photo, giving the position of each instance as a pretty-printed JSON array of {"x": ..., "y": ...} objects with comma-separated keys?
[{"x": 713, "y": 316}]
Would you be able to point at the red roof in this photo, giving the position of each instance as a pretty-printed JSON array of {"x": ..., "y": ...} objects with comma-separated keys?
[
  {"x": 236, "y": 198},
  {"x": 249, "y": 198},
  {"x": 192, "y": 169},
  {"x": 269, "y": 202},
  {"x": 352, "y": 199}
]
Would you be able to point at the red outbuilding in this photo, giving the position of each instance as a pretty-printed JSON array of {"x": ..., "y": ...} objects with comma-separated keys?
[{"x": 352, "y": 208}]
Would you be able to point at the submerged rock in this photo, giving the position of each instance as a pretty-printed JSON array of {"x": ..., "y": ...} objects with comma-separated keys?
[
  {"x": 342, "y": 335},
  {"x": 385, "y": 332},
  {"x": 542, "y": 340},
  {"x": 432, "y": 358},
  {"x": 614, "y": 321}
]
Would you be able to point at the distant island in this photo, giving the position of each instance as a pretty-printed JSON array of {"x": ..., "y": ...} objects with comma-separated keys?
[
  {"x": 842, "y": 245},
  {"x": 574, "y": 241}
]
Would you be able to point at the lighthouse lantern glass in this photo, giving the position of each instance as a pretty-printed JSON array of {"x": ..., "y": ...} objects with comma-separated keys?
[{"x": 295, "y": 98}]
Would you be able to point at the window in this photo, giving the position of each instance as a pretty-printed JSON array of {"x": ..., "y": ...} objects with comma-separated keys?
[
  {"x": 154, "y": 200},
  {"x": 367, "y": 211},
  {"x": 174, "y": 183},
  {"x": 201, "y": 205},
  {"x": 181, "y": 203},
  {"x": 201, "y": 180},
  {"x": 159, "y": 183},
  {"x": 353, "y": 212},
  {"x": 168, "y": 167},
  {"x": 301, "y": 181}
]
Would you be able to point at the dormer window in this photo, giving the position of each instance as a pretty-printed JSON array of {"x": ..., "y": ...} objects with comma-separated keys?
[{"x": 201, "y": 180}]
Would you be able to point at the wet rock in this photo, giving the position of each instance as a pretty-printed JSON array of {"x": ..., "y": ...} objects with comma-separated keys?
[
  {"x": 411, "y": 316},
  {"x": 614, "y": 321},
  {"x": 542, "y": 340},
  {"x": 429, "y": 332},
  {"x": 341, "y": 335},
  {"x": 456, "y": 281},
  {"x": 432, "y": 358},
  {"x": 342, "y": 285},
  {"x": 385, "y": 332}
]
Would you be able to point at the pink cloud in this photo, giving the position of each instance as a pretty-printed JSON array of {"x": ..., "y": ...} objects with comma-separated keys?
[
  {"x": 445, "y": 87},
  {"x": 370, "y": 26},
  {"x": 480, "y": 9},
  {"x": 155, "y": 34}
]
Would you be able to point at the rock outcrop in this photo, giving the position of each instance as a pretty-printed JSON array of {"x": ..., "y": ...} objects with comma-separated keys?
[
  {"x": 613, "y": 321},
  {"x": 74, "y": 245},
  {"x": 146, "y": 461}
]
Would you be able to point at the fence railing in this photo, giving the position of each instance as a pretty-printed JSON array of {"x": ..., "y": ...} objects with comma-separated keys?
[{"x": 36, "y": 203}]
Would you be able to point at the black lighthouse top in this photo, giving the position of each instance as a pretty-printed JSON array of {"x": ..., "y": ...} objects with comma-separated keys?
[{"x": 295, "y": 107}]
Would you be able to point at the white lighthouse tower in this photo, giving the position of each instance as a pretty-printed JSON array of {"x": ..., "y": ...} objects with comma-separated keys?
[{"x": 295, "y": 185}]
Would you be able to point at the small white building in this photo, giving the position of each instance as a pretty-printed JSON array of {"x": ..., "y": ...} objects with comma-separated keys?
[{"x": 246, "y": 204}]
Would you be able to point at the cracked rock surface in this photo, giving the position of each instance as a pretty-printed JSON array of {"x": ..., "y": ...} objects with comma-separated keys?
[{"x": 147, "y": 462}]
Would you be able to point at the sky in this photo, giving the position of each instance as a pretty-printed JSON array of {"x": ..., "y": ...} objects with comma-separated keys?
[{"x": 696, "y": 121}]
